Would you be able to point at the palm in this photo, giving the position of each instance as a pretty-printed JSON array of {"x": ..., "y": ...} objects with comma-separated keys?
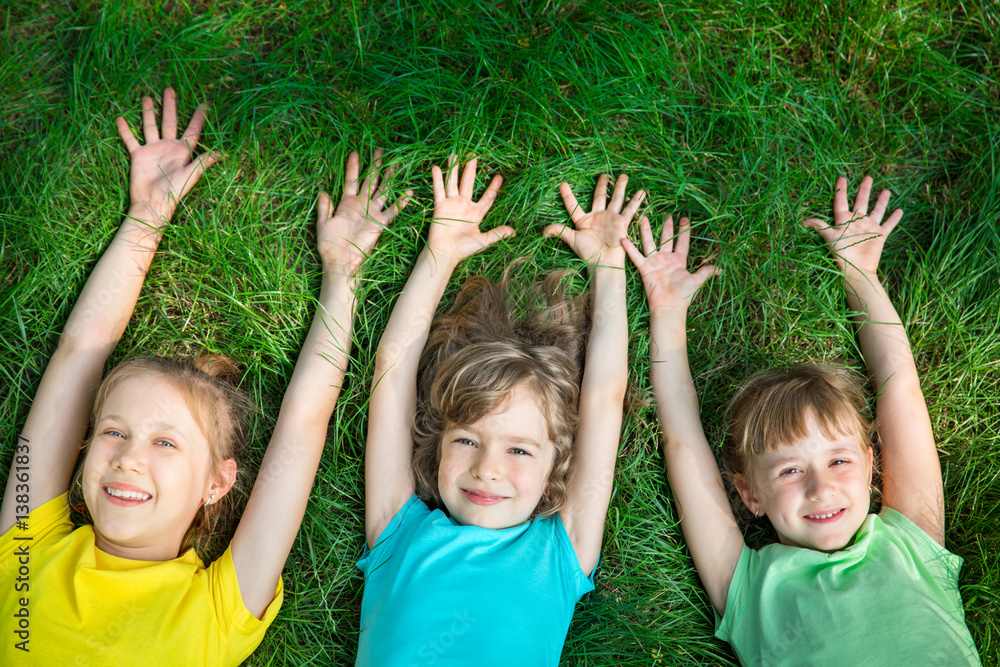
[
  {"x": 163, "y": 170},
  {"x": 455, "y": 229},
  {"x": 596, "y": 237},
  {"x": 346, "y": 236},
  {"x": 857, "y": 237},
  {"x": 663, "y": 266}
]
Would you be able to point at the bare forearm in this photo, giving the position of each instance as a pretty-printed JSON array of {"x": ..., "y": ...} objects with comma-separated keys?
[
  {"x": 670, "y": 375},
  {"x": 881, "y": 334},
  {"x": 606, "y": 376},
  {"x": 109, "y": 296},
  {"x": 409, "y": 325},
  {"x": 319, "y": 372}
]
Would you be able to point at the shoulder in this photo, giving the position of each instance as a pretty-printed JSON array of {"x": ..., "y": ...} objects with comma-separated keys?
[
  {"x": 45, "y": 524},
  {"x": 895, "y": 528},
  {"x": 224, "y": 588}
]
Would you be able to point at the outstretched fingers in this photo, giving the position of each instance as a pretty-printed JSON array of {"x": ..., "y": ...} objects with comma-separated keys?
[
  {"x": 169, "y": 114},
  {"x": 683, "y": 242},
  {"x": 646, "y": 236},
  {"x": 618, "y": 194},
  {"x": 125, "y": 132},
  {"x": 568, "y": 234},
  {"x": 352, "y": 173},
  {"x": 570, "y": 202},
  {"x": 861, "y": 200},
  {"x": 490, "y": 195},
  {"x": 192, "y": 133},
  {"x": 667, "y": 235},
  {"x": 197, "y": 167},
  {"x": 633, "y": 205},
  {"x": 600, "y": 194},
  {"x": 393, "y": 211},
  {"x": 323, "y": 207},
  {"x": 468, "y": 185},
  {"x": 149, "y": 130}
]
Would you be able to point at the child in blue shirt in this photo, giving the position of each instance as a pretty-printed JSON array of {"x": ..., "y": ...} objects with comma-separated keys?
[
  {"x": 843, "y": 587},
  {"x": 480, "y": 541}
]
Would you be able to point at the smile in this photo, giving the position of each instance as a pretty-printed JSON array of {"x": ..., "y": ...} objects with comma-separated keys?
[
  {"x": 825, "y": 517},
  {"x": 482, "y": 497},
  {"x": 125, "y": 497}
]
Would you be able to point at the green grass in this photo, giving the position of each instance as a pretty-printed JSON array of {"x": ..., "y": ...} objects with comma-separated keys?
[{"x": 738, "y": 114}]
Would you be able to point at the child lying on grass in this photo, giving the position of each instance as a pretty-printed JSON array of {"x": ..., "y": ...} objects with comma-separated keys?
[
  {"x": 843, "y": 587},
  {"x": 160, "y": 458},
  {"x": 480, "y": 541}
]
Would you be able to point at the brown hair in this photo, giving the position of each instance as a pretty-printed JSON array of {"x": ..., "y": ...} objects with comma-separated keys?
[
  {"x": 221, "y": 409},
  {"x": 773, "y": 407},
  {"x": 479, "y": 351}
]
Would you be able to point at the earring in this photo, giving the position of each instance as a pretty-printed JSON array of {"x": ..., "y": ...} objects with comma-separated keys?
[
  {"x": 755, "y": 514},
  {"x": 871, "y": 489},
  {"x": 210, "y": 499}
]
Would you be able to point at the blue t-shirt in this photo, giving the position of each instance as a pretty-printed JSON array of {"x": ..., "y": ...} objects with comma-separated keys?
[{"x": 439, "y": 593}]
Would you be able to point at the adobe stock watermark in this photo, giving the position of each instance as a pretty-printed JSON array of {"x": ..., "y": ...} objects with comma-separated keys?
[
  {"x": 22, "y": 582},
  {"x": 435, "y": 648}
]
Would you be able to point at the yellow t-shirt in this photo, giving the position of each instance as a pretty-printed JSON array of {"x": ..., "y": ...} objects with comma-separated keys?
[{"x": 69, "y": 603}]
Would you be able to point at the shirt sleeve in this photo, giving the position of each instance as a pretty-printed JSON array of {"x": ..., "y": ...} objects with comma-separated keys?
[
  {"x": 245, "y": 631},
  {"x": 366, "y": 562},
  {"x": 48, "y": 523},
  {"x": 943, "y": 564},
  {"x": 738, "y": 596}
]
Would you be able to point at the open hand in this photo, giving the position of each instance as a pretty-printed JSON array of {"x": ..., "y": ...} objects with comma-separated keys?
[
  {"x": 346, "y": 235},
  {"x": 856, "y": 238},
  {"x": 663, "y": 266},
  {"x": 454, "y": 232},
  {"x": 598, "y": 235},
  {"x": 163, "y": 169}
]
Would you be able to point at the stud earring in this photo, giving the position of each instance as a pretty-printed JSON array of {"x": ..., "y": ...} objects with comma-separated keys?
[{"x": 210, "y": 499}]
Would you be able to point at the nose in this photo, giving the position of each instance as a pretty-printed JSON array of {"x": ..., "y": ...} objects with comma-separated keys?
[
  {"x": 128, "y": 456},
  {"x": 487, "y": 466},
  {"x": 820, "y": 485}
]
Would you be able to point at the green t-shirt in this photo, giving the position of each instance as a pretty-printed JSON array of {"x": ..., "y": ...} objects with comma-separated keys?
[{"x": 890, "y": 598}]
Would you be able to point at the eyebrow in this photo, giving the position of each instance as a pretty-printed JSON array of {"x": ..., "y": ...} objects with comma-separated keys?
[{"x": 158, "y": 426}]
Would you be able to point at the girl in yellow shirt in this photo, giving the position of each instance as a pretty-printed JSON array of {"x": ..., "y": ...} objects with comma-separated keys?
[{"x": 161, "y": 453}]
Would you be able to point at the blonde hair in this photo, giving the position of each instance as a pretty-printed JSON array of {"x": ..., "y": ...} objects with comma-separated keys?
[
  {"x": 479, "y": 351},
  {"x": 221, "y": 409},
  {"x": 773, "y": 408}
]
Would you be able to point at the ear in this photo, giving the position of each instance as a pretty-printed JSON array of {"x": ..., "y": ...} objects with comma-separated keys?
[
  {"x": 746, "y": 492},
  {"x": 871, "y": 458},
  {"x": 223, "y": 479}
]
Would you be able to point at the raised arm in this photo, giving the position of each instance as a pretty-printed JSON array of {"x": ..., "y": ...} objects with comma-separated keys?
[
  {"x": 911, "y": 472},
  {"x": 597, "y": 239},
  {"x": 453, "y": 236},
  {"x": 707, "y": 520},
  {"x": 162, "y": 171},
  {"x": 278, "y": 501}
]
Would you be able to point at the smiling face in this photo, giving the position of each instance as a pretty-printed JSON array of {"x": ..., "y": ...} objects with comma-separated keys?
[
  {"x": 815, "y": 490},
  {"x": 148, "y": 470},
  {"x": 494, "y": 472}
]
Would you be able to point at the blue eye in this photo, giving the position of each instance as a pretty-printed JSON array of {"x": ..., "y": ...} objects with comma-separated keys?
[
  {"x": 840, "y": 462},
  {"x": 466, "y": 441},
  {"x": 165, "y": 443},
  {"x": 114, "y": 433},
  {"x": 520, "y": 452}
]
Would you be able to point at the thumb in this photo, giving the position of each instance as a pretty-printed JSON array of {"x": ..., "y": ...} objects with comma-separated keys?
[
  {"x": 702, "y": 275},
  {"x": 567, "y": 234},
  {"x": 498, "y": 234},
  {"x": 632, "y": 252}
]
